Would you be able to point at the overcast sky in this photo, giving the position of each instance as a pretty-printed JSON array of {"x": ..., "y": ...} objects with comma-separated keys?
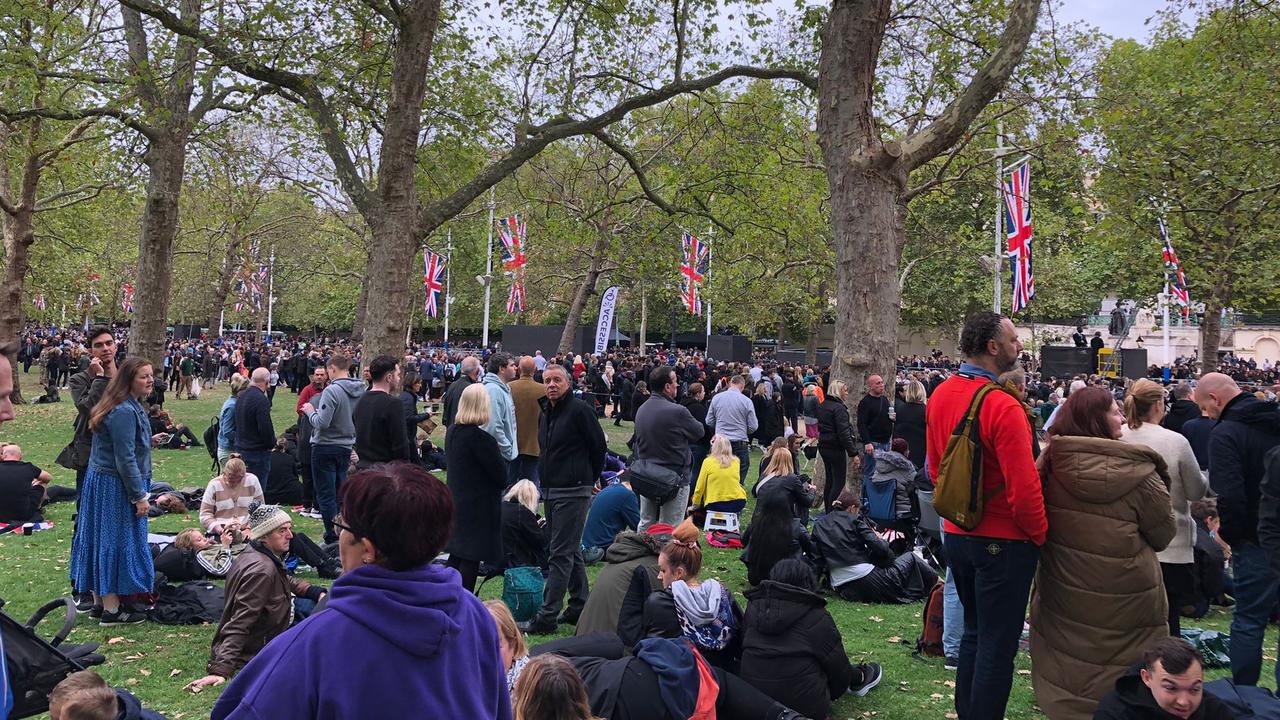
[{"x": 1117, "y": 18}]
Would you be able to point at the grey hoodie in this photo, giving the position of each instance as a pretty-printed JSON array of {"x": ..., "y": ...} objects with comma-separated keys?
[{"x": 331, "y": 422}]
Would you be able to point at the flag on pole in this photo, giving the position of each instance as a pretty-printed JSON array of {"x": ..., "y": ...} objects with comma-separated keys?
[
  {"x": 511, "y": 231},
  {"x": 126, "y": 297},
  {"x": 1018, "y": 232},
  {"x": 1173, "y": 276},
  {"x": 38, "y": 301},
  {"x": 693, "y": 271},
  {"x": 432, "y": 272}
]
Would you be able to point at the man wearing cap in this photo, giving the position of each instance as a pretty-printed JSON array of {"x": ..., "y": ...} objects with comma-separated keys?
[{"x": 258, "y": 595}]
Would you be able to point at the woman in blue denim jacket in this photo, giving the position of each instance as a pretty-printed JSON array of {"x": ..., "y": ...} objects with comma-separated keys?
[{"x": 109, "y": 553}]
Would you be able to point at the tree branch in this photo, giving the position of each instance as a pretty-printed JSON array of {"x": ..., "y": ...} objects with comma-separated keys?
[
  {"x": 943, "y": 132},
  {"x": 643, "y": 179},
  {"x": 80, "y": 114}
]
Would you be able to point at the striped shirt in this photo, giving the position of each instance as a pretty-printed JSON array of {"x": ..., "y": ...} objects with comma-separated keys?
[{"x": 222, "y": 503}]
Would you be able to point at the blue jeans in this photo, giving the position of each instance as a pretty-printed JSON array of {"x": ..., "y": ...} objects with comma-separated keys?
[
  {"x": 952, "y": 615},
  {"x": 1256, "y": 588},
  {"x": 869, "y": 463},
  {"x": 329, "y": 465},
  {"x": 257, "y": 462},
  {"x": 993, "y": 579}
]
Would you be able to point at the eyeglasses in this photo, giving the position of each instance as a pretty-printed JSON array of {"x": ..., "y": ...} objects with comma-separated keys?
[{"x": 339, "y": 523}]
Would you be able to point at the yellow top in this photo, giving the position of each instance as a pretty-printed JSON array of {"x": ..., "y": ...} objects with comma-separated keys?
[{"x": 718, "y": 484}]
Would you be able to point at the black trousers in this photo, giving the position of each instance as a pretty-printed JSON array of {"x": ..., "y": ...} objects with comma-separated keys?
[
  {"x": 639, "y": 697},
  {"x": 469, "y": 569},
  {"x": 835, "y": 463}
]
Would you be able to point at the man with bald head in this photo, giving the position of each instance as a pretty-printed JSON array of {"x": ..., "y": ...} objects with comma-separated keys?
[
  {"x": 469, "y": 372},
  {"x": 875, "y": 424},
  {"x": 1247, "y": 430},
  {"x": 255, "y": 435},
  {"x": 22, "y": 486}
]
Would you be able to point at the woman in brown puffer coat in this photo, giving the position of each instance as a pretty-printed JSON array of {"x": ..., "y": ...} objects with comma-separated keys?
[{"x": 1099, "y": 598}]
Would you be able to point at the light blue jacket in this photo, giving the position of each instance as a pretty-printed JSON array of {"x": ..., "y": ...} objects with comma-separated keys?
[
  {"x": 122, "y": 447},
  {"x": 502, "y": 416},
  {"x": 227, "y": 425}
]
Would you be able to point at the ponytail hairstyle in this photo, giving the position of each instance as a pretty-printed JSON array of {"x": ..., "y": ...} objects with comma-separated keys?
[
  {"x": 683, "y": 550},
  {"x": 780, "y": 462},
  {"x": 1140, "y": 400},
  {"x": 118, "y": 390}
]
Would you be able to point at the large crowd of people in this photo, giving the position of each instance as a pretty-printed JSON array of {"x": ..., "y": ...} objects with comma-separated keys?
[{"x": 1118, "y": 500}]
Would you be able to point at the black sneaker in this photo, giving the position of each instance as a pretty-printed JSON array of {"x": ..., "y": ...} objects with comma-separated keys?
[
  {"x": 952, "y": 664},
  {"x": 95, "y": 612},
  {"x": 537, "y": 627},
  {"x": 569, "y": 618},
  {"x": 84, "y": 602},
  {"x": 871, "y": 676},
  {"x": 121, "y": 617}
]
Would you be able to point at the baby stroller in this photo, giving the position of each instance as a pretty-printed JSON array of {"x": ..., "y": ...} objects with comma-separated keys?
[{"x": 34, "y": 665}]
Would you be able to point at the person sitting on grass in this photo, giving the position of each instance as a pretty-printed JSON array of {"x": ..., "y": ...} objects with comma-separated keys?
[
  {"x": 614, "y": 509},
  {"x": 193, "y": 556},
  {"x": 780, "y": 477},
  {"x": 1167, "y": 683},
  {"x": 630, "y": 550},
  {"x": 774, "y": 534},
  {"x": 174, "y": 436},
  {"x": 524, "y": 539},
  {"x": 700, "y": 610},
  {"x": 85, "y": 695},
  {"x": 718, "y": 485},
  {"x": 226, "y": 504},
  {"x": 862, "y": 566},
  {"x": 259, "y": 596},
  {"x": 791, "y": 648},
  {"x": 22, "y": 487}
]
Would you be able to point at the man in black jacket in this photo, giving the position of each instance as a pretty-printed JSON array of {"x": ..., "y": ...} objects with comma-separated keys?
[
  {"x": 1182, "y": 409},
  {"x": 255, "y": 435},
  {"x": 573, "y": 447},
  {"x": 470, "y": 374},
  {"x": 381, "y": 435},
  {"x": 1167, "y": 683},
  {"x": 875, "y": 424},
  {"x": 664, "y": 430},
  {"x": 1247, "y": 429}
]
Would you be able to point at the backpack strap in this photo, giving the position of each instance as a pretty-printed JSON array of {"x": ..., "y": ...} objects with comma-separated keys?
[{"x": 969, "y": 425}]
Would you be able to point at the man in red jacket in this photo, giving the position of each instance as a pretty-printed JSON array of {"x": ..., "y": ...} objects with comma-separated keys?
[{"x": 994, "y": 563}]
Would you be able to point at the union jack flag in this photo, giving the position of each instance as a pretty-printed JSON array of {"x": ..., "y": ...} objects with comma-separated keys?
[
  {"x": 1018, "y": 233},
  {"x": 432, "y": 272},
  {"x": 693, "y": 271},
  {"x": 38, "y": 301},
  {"x": 249, "y": 287},
  {"x": 514, "y": 258},
  {"x": 126, "y": 298},
  {"x": 515, "y": 300},
  {"x": 1173, "y": 276}
]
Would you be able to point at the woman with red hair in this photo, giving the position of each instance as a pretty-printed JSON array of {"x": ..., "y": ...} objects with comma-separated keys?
[{"x": 1099, "y": 598}]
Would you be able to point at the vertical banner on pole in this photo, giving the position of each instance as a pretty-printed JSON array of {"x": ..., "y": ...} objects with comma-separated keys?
[{"x": 608, "y": 301}]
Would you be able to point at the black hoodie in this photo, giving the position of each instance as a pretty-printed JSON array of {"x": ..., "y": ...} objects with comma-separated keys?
[
  {"x": 1132, "y": 700},
  {"x": 792, "y": 650},
  {"x": 1246, "y": 430},
  {"x": 1180, "y": 412}
]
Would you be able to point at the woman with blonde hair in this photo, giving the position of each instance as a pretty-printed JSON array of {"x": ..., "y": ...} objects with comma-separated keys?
[
  {"x": 227, "y": 419},
  {"x": 477, "y": 476},
  {"x": 515, "y": 654},
  {"x": 718, "y": 488},
  {"x": 780, "y": 477},
  {"x": 1143, "y": 410},
  {"x": 225, "y": 505},
  {"x": 910, "y": 421},
  {"x": 835, "y": 441},
  {"x": 523, "y": 541},
  {"x": 109, "y": 552}
]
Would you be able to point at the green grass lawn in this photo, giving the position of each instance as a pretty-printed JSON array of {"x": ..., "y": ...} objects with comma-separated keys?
[{"x": 155, "y": 662}]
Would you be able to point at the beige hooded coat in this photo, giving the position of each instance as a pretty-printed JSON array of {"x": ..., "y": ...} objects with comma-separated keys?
[{"x": 1099, "y": 597}]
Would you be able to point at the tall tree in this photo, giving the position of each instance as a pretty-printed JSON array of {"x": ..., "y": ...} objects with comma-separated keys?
[
  {"x": 869, "y": 174},
  {"x": 398, "y": 216}
]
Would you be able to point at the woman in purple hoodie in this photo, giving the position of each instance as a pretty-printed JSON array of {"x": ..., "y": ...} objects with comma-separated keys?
[{"x": 425, "y": 647}]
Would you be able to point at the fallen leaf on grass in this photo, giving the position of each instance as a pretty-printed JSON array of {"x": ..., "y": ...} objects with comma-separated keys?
[
  {"x": 1024, "y": 672},
  {"x": 950, "y": 683},
  {"x": 936, "y": 696},
  {"x": 115, "y": 640},
  {"x": 136, "y": 656},
  {"x": 875, "y": 618},
  {"x": 131, "y": 681},
  {"x": 952, "y": 716},
  {"x": 145, "y": 672},
  {"x": 175, "y": 672},
  {"x": 895, "y": 639}
]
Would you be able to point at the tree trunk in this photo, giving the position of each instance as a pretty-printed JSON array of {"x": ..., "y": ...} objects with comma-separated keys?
[
  {"x": 811, "y": 345},
  {"x": 19, "y": 233},
  {"x": 1210, "y": 335},
  {"x": 166, "y": 159},
  {"x": 227, "y": 274},
  {"x": 782, "y": 332},
  {"x": 583, "y": 293},
  {"x": 362, "y": 306},
  {"x": 393, "y": 215}
]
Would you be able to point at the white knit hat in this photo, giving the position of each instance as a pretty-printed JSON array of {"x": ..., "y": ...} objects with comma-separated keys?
[{"x": 265, "y": 518}]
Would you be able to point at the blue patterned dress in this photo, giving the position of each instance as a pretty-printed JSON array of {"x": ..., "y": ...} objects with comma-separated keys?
[{"x": 109, "y": 553}]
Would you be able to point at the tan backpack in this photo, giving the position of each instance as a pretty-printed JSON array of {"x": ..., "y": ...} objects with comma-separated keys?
[{"x": 958, "y": 496}]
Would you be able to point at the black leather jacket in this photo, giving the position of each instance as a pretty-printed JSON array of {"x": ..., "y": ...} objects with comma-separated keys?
[{"x": 843, "y": 539}]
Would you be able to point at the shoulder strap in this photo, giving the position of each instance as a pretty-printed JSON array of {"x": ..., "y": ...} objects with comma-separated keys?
[{"x": 969, "y": 421}]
